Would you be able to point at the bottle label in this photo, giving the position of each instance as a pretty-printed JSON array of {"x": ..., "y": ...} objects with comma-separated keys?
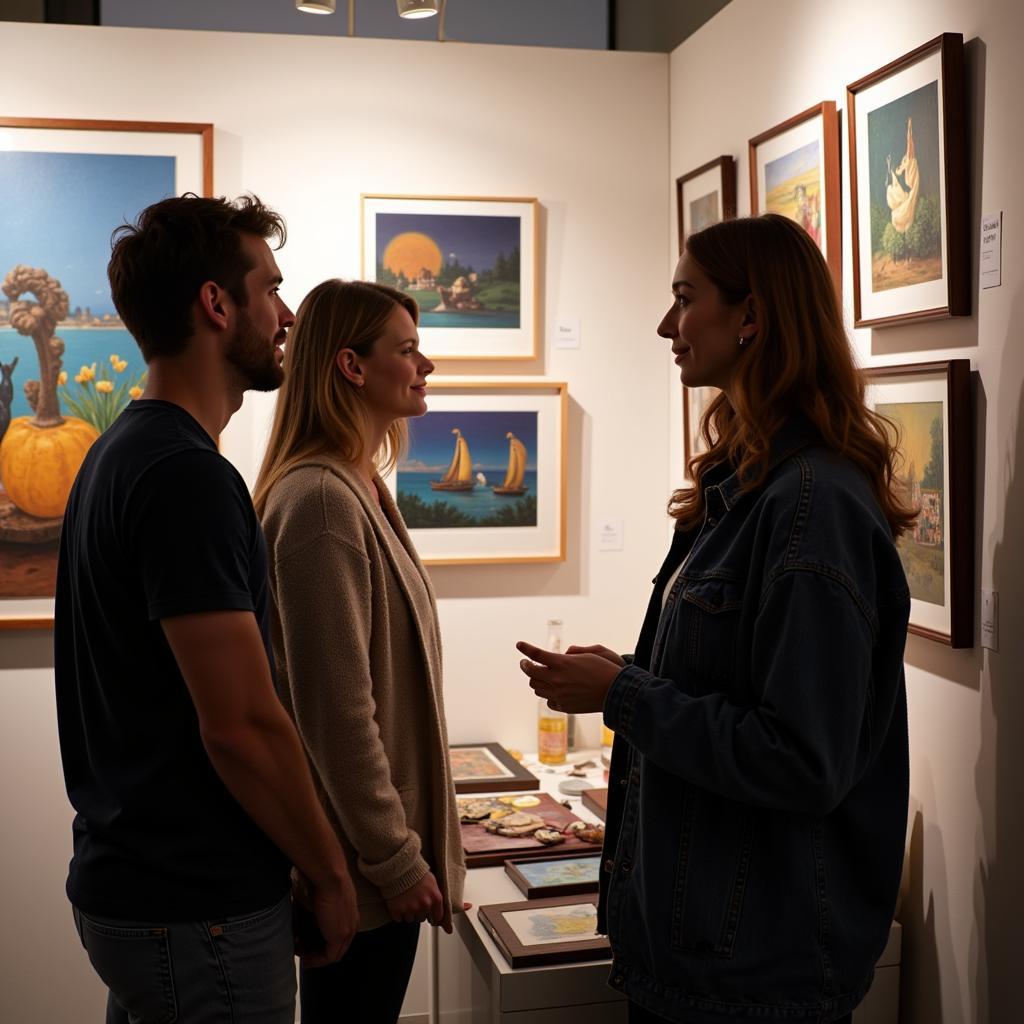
[{"x": 552, "y": 738}]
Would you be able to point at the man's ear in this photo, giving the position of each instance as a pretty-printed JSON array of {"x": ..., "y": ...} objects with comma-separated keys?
[
  {"x": 213, "y": 304},
  {"x": 350, "y": 366}
]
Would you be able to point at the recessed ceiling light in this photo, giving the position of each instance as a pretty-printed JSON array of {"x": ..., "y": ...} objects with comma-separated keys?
[
  {"x": 315, "y": 6},
  {"x": 417, "y": 8}
]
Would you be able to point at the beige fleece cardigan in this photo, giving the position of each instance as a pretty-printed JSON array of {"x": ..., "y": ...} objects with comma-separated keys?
[{"x": 358, "y": 658}]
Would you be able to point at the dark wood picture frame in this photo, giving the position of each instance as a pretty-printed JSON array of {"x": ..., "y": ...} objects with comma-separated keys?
[
  {"x": 533, "y": 892},
  {"x": 831, "y": 207},
  {"x": 727, "y": 191},
  {"x": 20, "y": 619},
  {"x": 959, "y": 464},
  {"x": 596, "y": 801},
  {"x": 520, "y": 779},
  {"x": 956, "y": 242},
  {"x": 492, "y": 917}
]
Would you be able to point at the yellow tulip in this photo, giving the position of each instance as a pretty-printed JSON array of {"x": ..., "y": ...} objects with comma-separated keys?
[
  {"x": 114, "y": 359},
  {"x": 120, "y": 365},
  {"x": 105, "y": 386},
  {"x": 86, "y": 373},
  {"x": 135, "y": 392},
  {"x": 62, "y": 378},
  {"x": 80, "y": 378}
]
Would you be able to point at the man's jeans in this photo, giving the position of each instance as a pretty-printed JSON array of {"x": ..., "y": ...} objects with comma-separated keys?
[{"x": 197, "y": 972}]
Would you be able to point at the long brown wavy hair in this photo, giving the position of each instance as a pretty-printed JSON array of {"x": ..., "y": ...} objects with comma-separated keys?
[
  {"x": 318, "y": 411},
  {"x": 799, "y": 361}
]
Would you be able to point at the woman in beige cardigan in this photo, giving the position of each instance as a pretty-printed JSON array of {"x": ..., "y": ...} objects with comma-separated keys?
[{"x": 355, "y": 633}]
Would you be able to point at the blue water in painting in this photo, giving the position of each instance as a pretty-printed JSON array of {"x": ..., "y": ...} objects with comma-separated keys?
[
  {"x": 478, "y": 503},
  {"x": 470, "y": 319},
  {"x": 83, "y": 347}
]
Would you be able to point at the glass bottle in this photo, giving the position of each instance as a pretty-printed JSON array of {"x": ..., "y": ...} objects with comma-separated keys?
[
  {"x": 552, "y": 726},
  {"x": 607, "y": 739}
]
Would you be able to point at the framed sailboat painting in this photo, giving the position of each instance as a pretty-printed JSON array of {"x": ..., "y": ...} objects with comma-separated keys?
[{"x": 483, "y": 479}]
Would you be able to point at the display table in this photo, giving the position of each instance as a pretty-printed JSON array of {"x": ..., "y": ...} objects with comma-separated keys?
[{"x": 555, "y": 994}]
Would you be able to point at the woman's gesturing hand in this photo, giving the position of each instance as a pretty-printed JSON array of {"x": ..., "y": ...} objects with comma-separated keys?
[{"x": 575, "y": 682}]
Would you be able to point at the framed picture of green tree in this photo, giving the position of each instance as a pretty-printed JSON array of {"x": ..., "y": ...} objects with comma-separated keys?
[
  {"x": 470, "y": 263},
  {"x": 927, "y": 408},
  {"x": 909, "y": 202}
]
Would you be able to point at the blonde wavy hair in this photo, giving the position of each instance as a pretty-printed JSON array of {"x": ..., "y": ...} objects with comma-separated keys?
[
  {"x": 318, "y": 410},
  {"x": 800, "y": 361}
]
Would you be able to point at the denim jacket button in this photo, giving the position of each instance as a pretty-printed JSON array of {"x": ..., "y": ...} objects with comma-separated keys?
[
  {"x": 609, "y": 865},
  {"x": 712, "y": 521},
  {"x": 623, "y": 783},
  {"x": 625, "y": 866}
]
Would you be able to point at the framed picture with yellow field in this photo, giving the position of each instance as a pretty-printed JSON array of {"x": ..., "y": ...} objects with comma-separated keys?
[
  {"x": 794, "y": 171},
  {"x": 484, "y": 478},
  {"x": 68, "y": 366}
]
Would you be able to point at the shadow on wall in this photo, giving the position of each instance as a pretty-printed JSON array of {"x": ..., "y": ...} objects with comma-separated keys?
[{"x": 999, "y": 885}]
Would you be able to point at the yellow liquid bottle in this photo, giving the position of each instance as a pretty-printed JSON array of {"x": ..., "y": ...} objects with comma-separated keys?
[
  {"x": 607, "y": 739},
  {"x": 552, "y": 726}
]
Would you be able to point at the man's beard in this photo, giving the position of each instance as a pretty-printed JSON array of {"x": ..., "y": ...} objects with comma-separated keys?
[{"x": 254, "y": 357}]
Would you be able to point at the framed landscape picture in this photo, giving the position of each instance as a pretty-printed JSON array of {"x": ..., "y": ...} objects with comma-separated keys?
[
  {"x": 908, "y": 188},
  {"x": 471, "y": 264},
  {"x": 67, "y": 364},
  {"x": 488, "y": 768},
  {"x": 559, "y": 930},
  {"x": 929, "y": 406},
  {"x": 695, "y": 404},
  {"x": 705, "y": 196},
  {"x": 484, "y": 478},
  {"x": 794, "y": 171},
  {"x": 559, "y": 876}
]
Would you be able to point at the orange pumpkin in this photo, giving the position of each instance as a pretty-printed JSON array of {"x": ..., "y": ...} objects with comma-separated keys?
[{"x": 38, "y": 465}]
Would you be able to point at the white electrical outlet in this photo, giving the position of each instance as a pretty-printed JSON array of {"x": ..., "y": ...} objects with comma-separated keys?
[{"x": 990, "y": 619}]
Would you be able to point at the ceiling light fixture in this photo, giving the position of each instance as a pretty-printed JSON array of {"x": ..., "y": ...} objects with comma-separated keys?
[
  {"x": 417, "y": 8},
  {"x": 315, "y": 6}
]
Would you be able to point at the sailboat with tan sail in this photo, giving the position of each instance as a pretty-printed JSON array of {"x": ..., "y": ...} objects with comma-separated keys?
[
  {"x": 512, "y": 485},
  {"x": 459, "y": 475}
]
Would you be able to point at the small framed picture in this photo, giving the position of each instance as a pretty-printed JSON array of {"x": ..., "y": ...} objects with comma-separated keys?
[
  {"x": 552, "y": 931},
  {"x": 794, "y": 171},
  {"x": 695, "y": 404},
  {"x": 705, "y": 196},
  {"x": 488, "y": 768},
  {"x": 929, "y": 407},
  {"x": 471, "y": 264},
  {"x": 484, "y": 478},
  {"x": 558, "y": 876},
  {"x": 909, "y": 201}
]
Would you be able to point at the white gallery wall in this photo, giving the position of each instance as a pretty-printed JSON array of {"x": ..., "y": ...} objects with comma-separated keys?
[
  {"x": 752, "y": 66},
  {"x": 308, "y": 123}
]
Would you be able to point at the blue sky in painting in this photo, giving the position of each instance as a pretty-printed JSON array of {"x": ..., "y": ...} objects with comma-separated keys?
[
  {"x": 432, "y": 443},
  {"x": 59, "y": 210},
  {"x": 776, "y": 172},
  {"x": 474, "y": 241}
]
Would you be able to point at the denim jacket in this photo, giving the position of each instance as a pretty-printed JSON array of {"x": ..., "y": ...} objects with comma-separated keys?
[{"x": 759, "y": 779}]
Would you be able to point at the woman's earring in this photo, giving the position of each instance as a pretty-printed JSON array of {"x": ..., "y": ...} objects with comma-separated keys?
[{"x": 743, "y": 341}]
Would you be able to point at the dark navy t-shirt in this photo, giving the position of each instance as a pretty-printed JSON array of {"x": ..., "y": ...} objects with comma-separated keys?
[{"x": 158, "y": 524}]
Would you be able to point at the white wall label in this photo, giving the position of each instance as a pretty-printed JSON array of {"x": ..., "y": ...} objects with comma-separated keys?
[
  {"x": 990, "y": 619},
  {"x": 610, "y": 535},
  {"x": 567, "y": 333},
  {"x": 991, "y": 250}
]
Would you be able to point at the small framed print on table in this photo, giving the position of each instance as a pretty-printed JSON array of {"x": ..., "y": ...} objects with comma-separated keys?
[
  {"x": 553, "y": 931},
  {"x": 484, "y": 477},
  {"x": 66, "y": 186},
  {"x": 488, "y": 768},
  {"x": 929, "y": 405},
  {"x": 909, "y": 201},
  {"x": 794, "y": 171},
  {"x": 557, "y": 876},
  {"x": 705, "y": 196},
  {"x": 470, "y": 263}
]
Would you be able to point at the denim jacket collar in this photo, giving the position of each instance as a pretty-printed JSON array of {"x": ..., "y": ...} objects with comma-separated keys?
[{"x": 796, "y": 433}]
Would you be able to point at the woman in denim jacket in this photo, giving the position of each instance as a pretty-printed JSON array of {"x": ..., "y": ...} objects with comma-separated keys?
[{"x": 759, "y": 779}]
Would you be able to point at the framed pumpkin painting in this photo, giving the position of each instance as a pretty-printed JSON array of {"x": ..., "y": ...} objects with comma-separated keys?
[{"x": 68, "y": 366}]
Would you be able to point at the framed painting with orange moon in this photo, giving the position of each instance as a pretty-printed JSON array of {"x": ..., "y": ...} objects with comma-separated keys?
[{"x": 471, "y": 264}]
